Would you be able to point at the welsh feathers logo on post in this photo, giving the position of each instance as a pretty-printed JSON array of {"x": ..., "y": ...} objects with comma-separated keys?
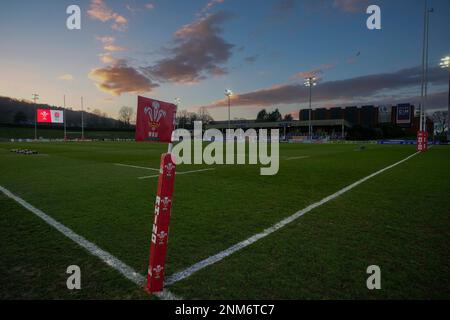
[{"x": 155, "y": 120}]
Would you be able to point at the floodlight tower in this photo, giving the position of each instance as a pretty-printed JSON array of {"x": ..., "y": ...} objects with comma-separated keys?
[
  {"x": 65, "y": 115},
  {"x": 229, "y": 93},
  {"x": 424, "y": 94},
  {"x": 82, "y": 119},
  {"x": 177, "y": 103},
  {"x": 445, "y": 64},
  {"x": 310, "y": 82}
]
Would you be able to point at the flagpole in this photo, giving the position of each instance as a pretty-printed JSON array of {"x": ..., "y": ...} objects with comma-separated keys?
[
  {"x": 35, "y": 97},
  {"x": 170, "y": 146},
  {"x": 64, "y": 113},
  {"x": 82, "y": 120}
]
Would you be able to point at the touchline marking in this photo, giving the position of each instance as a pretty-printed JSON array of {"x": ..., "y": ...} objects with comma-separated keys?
[
  {"x": 105, "y": 256},
  {"x": 136, "y": 167},
  {"x": 241, "y": 245},
  {"x": 179, "y": 173}
]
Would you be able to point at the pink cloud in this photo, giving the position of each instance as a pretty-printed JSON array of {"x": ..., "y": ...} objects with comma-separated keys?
[
  {"x": 209, "y": 5},
  {"x": 350, "y": 5},
  {"x": 114, "y": 48},
  {"x": 149, "y": 6},
  {"x": 314, "y": 72},
  {"x": 100, "y": 11}
]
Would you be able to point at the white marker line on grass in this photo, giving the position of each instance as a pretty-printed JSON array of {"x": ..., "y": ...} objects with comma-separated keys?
[
  {"x": 105, "y": 256},
  {"x": 179, "y": 173},
  {"x": 297, "y": 158},
  {"x": 136, "y": 167},
  {"x": 241, "y": 245}
]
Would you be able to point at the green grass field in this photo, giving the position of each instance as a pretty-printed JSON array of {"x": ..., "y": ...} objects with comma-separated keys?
[{"x": 399, "y": 220}]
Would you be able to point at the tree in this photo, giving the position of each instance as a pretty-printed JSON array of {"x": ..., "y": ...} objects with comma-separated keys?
[
  {"x": 262, "y": 116},
  {"x": 20, "y": 117},
  {"x": 185, "y": 119},
  {"x": 182, "y": 118},
  {"x": 97, "y": 112},
  {"x": 125, "y": 114},
  {"x": 288, "y": 117},
  {"x": 391, "y": 131},
  {"x": 204, "y": 116},
  {"x": 274, "y": 116},
  {"x": 440, "y": 119}
]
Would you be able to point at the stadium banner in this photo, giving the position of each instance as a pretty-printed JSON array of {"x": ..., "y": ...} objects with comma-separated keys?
[
  {"x": 404, "y": 114},
  {"x": 155, "y": 120},
  {"x": 422, "y": 141},
  {"x": 160, "y": 232},
  {"x": 50, "y": 116},
  {"x": 384, "y": 114}
]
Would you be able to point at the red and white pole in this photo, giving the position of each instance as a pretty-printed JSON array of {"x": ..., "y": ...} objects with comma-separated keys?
[
  {"x": 422, "y": 141},
  {"x": 160, "y": 233}
]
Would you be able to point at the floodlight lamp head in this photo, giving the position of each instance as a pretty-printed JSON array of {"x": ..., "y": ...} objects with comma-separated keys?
[
  {"x": 445, "y": 62},
  {"x": 228, "y": 92}
]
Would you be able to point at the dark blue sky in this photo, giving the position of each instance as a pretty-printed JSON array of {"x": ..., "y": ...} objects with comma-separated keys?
[{"x": 196, "y": 49}]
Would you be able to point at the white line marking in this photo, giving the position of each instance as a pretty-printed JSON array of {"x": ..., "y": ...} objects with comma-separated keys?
[
  {"x": 136, "y": 167},
  {"x": 297, "y": 158},
  {"x": 178, "y": 173},
  {"x": 92, "y": 248},
  {"x": 148, "y": 177},
  {"x": 195, "y": 171},
  {"x": 241, "y": 245}
]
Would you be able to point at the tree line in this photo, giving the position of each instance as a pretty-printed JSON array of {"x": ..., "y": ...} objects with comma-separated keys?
[
  {"x": 274, "y": 116},
  {"x": 22, "y": 113}
]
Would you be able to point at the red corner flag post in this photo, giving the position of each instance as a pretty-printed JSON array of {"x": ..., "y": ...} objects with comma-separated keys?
[
  {"x": 422, "y": 141},
  {"x": 163, "y": 208},
  {"x": 155, "y": 123}
]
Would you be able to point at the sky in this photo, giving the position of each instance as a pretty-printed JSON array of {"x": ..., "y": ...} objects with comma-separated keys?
[{"x": 194, "y": 50}]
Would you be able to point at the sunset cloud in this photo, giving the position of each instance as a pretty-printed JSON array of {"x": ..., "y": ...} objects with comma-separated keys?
[
  {"x": 210, "y": 5},
  {"x": 135, "y": 9},
  {"x": 120, "y": 78},
  {"x": 106, "y": 39},
  {"x": 199, "y": 51},
  {"x": 109, "y": 44},
  {"x": 114, "y": 48},
  {"x": 100, "y": 11},
  {"x": 149, "y": 6},
  {"x": 375, "y": 87},
  {"x": 314, "y": 72},
  {"x": 251, "y": 59},
  {"x": 66, "y": 77},
  {"x": 107, "y": 58},
  {"x": 351, "y": 5}
]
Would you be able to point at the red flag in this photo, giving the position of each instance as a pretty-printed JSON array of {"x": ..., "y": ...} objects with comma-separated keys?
[{"x": 155, "y": 120}]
